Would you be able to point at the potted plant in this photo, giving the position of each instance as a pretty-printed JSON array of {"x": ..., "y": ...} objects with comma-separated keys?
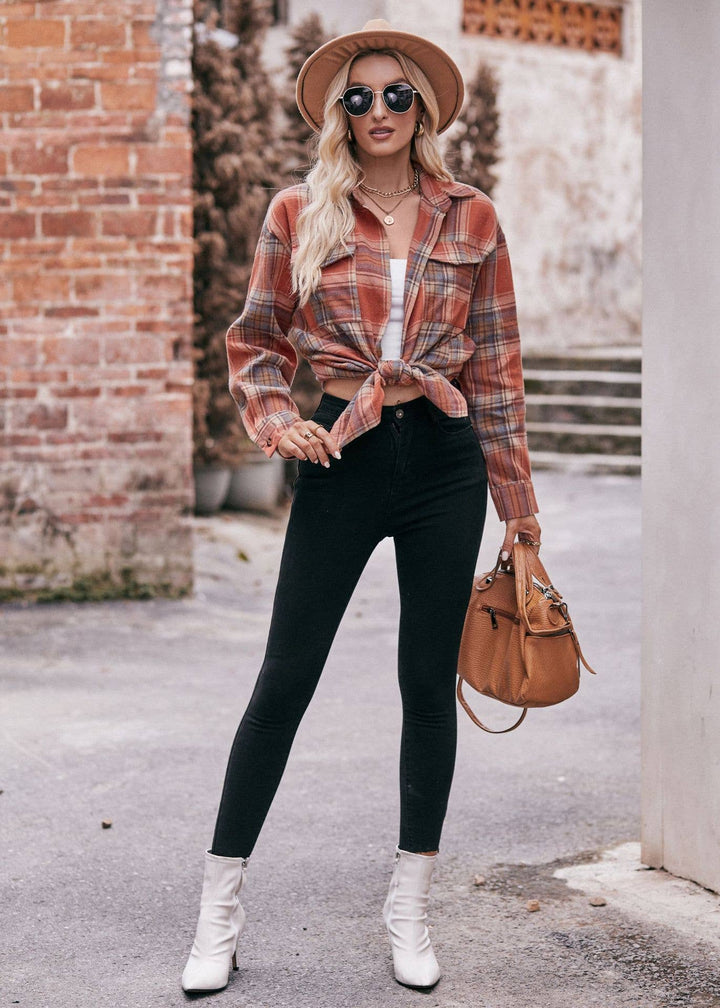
[{"x": 235, "y": 173}]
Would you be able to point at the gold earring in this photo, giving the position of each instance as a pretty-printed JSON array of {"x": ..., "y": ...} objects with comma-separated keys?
[
  {"x": 349, "y": 135},
  {"x": 419, "y": 129}
]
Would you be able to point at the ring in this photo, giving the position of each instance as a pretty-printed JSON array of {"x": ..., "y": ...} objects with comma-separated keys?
[
  {"x": 530, "y": 542},
  {"x": 308, "y": 434}
]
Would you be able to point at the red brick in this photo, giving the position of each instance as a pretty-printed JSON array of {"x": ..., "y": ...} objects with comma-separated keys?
[
  {"x": 92, "y": 34},
  {"x": 170, "y": 288},
  {"x": 66, "y": 185},
  {"x": 107, "y": 200},
  {"x": 128, "y": 96},
  {"x": 16, "y": 98},
  {"x": 129, "y": 223},
  {"x": 15, "y": 11},
  {"x": 133, "y": 349},
  {"x": 107, "y": 500},
  {"x": 144, "y": 61},
  {"x": 22, "y": 440},
  {"x": 19, "y": 353},
  {"x": 68, "y": 224},
  {"x": 143, "y": 34},
  {"x": 17, "y": 225},
  {"x": 69, "y": 351},
  {"x": 77, "y": 391},
  {"x": 67, "y": 96},
  {"x": 38, "y": 376},
  {"x": 107, "y": 286},
  {"x": 71, "y": 311},
  {"x": 41, "y": 159},
  {"x": 34, "y": 33},
  {"x": 22, "y": 393},
  {"x": 129, "y": 391},
  {"x": 134, "y": 437},
  {"x": 41, "y": 287},
  {"x": 101, "y": 159},
  {"x": 39, "y": 416},
  {"x": 78, "y": 518},
  {"x": 104, "y": 72},
  {"x": 163, "y": 160}
]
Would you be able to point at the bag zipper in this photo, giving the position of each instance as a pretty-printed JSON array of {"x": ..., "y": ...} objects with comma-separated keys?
[{"x": 494, "y": 613}]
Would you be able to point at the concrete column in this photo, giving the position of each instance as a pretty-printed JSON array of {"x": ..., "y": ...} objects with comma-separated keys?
[{"x": 681, "y": 439}]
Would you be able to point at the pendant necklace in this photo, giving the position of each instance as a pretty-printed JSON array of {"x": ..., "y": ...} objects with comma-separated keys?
[{"x": 388, "y": 219}]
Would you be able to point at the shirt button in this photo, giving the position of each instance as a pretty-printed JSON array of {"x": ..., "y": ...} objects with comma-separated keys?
[{"x": 399, "y": 413}]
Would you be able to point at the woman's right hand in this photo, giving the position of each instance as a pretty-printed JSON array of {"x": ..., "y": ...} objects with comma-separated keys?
[{"x": 306, "y": 439}]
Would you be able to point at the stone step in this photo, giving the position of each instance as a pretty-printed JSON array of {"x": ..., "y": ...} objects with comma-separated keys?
[
  {"x": 579, "y": 383},
  {"x": 587, "y": 462},
  {"x": 584, "y": 407},
  {"x": 583, "y": 438},
  {"x": 623, "y": 359},
  {"x": 613, "y": 410}
]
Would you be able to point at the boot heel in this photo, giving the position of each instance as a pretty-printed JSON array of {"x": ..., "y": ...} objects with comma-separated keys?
[{"x": 234, "y": 961}]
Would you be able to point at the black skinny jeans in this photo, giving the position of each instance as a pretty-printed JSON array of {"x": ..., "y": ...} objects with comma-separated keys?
[{"x": 420, "y": 477}]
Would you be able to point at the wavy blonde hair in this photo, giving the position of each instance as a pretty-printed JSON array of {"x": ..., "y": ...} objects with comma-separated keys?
[{"x": 328, "y": 220}]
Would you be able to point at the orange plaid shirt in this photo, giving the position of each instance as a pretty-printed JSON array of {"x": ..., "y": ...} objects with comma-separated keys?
[{"x": 460, "y": 327}]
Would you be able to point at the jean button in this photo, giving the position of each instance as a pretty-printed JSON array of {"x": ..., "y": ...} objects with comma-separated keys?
[{"x": 399, "y": 413}]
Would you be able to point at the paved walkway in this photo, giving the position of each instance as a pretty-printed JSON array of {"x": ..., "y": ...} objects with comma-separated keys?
[{"x": 125, "y": 712}]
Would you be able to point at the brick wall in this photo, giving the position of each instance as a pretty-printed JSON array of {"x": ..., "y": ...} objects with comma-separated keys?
[{"x": 95, "y": 298}]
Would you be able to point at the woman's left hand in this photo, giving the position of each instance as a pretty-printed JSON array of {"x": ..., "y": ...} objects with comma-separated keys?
[{"x": 526, "y": 528}]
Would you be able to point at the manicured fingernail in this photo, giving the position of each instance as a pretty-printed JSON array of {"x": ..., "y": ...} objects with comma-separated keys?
[
  {"x": 505, "y": 555},
  {"x": 326, "y": 464},
  {"x": 337, "y": 454}
]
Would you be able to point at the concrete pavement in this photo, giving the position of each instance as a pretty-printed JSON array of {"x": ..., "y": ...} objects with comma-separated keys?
[{"x": 125, "y": 712}]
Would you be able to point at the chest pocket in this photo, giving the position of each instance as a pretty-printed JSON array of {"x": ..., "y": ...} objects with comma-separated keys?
[
  {"x": 448, "y": 282},
  {"x": 335, "y": 300}
]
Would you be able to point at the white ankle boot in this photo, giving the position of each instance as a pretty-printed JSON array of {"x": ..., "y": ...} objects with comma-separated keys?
[
  {"x": 222, "y": 919},
  {"x": 405, "y": 915}
]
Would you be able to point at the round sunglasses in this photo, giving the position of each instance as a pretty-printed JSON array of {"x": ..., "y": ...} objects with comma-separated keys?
[{"x": 358, "y": 100}]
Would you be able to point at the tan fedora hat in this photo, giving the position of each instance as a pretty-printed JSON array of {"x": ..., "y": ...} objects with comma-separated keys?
[{"x": 320, "y": 68}]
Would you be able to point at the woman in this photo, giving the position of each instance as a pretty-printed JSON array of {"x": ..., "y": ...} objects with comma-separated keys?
[{"x": 394, "y": 282}]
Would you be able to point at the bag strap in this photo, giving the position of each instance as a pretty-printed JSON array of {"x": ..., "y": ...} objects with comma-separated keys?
[
  {"x": 493, "y": 731},
  {"x": 489, "y": 579},
  {"x": 526, "y": 563}
]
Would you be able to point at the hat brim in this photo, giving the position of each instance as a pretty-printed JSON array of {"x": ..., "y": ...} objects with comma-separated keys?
[{"x": 319, "y": 69}]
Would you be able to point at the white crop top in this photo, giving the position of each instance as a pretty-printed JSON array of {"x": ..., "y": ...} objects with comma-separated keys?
[{"x": 391, "y": 343}]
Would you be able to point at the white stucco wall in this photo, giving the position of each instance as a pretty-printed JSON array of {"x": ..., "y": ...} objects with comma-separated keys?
[{"x": 681, "y": 467}]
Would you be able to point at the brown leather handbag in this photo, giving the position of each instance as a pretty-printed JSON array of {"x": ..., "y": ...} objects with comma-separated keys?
[{"x": 519, "y": 644}]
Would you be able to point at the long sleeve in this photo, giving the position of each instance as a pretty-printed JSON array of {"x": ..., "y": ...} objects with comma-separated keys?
[
  {"x": 261, "y": 358},
  {"x": 492, "y": 382}
]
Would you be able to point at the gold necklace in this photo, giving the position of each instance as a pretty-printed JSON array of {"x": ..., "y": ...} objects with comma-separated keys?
[
  {"x": 396, "y": 192},
  {"x": 388, "y": 219}
]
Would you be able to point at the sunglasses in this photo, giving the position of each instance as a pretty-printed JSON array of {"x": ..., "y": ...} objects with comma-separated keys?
[{"x": 358, "y": 100}]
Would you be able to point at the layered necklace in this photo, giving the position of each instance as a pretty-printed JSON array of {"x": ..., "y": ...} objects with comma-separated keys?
[{"x": 388, "y": 218}]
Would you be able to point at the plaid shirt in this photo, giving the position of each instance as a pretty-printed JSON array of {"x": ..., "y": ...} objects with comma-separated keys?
[{"x": 460, "y": 326}]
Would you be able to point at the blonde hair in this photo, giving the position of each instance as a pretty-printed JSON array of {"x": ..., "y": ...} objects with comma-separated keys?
[{"x": 328, "y": 220}]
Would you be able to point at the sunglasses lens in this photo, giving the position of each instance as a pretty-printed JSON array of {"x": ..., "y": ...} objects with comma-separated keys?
[
  {"x": 357, "y": 100},
  {"x": 398, "y": 97}
]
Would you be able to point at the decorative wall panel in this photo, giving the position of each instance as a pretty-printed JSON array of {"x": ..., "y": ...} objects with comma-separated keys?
[{"x": 592, "y": 27}]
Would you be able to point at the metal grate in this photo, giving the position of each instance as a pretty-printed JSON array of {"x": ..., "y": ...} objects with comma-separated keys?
[{"x": 592, "y": 27}]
